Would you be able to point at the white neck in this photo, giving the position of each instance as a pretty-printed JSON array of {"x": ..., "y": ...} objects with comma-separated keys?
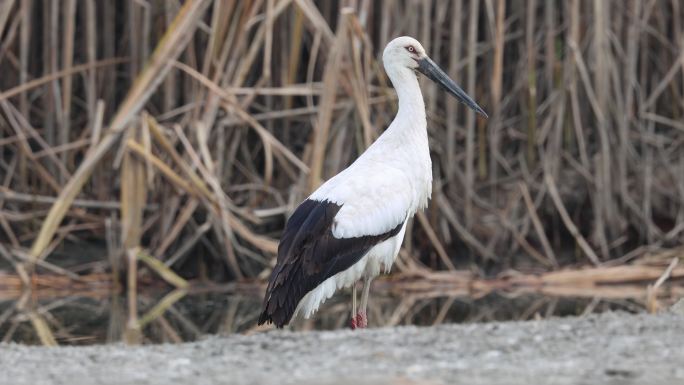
[
  {"x": 408, "y": 131},
  {"x": 410, "y": 122},
  {"x": 411, "y": 105}
]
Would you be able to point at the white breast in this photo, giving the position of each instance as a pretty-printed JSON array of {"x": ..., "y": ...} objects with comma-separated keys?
[{"x": 390, "y": 180}]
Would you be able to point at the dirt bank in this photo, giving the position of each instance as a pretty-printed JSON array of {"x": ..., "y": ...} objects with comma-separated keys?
[{"x": 612, "y": 348}]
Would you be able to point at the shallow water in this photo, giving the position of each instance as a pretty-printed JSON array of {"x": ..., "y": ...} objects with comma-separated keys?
[{"x": 103, "y": 318}]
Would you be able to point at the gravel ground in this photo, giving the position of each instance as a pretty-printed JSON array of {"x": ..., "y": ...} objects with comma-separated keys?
[{"x": 613, "y": 348}]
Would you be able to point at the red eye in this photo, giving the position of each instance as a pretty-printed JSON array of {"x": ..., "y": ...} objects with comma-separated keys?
[{"x": 411, "y": 49}]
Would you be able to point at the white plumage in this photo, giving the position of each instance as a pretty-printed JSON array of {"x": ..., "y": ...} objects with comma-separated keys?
[
  {"x": 371, "y": 199},
  {"x": 386, "y": 185}
]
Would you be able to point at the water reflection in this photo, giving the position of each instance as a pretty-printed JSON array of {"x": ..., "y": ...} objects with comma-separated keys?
[{"x": 176, "y": 316}]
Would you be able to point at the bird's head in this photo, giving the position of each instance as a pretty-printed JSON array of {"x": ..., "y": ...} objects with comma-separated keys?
[
  {"x": 403, "y": 51},
  {"x": 406, "y": 52}
]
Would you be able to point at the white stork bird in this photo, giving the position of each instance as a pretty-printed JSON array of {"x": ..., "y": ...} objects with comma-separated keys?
[{"x": 352, "y": 226}]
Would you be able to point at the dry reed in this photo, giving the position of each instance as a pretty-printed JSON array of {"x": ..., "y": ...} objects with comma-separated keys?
[{"x": 192, "y": 130}]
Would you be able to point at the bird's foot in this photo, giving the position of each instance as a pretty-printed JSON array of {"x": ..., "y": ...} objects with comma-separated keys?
[
  {"x": 359, "y": 321},
  {"x": 362, "y": 320}
]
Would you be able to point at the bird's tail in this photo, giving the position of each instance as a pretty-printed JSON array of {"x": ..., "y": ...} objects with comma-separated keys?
[
  {"x": 273, "y": 313},
  {"x": 281, "y": 299}
]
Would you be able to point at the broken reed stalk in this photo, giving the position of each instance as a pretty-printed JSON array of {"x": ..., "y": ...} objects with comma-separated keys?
[
  {"x": 167, "y": 50},
  {"x": 496, "y": 90},
  {"x": 167, "y": 274},
  {"x": 132, "y": 334},
  {"x": 652, "y": 290},
  {"x": 470, "y": 115},
  {"x": 330, "y": 81}
]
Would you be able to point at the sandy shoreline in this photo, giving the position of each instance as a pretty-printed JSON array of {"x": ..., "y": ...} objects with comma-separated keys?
[{"x": 613, "y": 348}]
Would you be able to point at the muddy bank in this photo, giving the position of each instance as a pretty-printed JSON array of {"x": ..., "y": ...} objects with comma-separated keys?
[{"x": 613, "y": 348}]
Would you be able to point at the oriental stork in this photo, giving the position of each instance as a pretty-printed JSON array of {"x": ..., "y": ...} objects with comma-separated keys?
[{"x": 353, "y": 225}]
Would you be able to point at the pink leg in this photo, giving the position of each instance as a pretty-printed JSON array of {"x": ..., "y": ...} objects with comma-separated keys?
[
  {"x": 354, "y": 324},
  {"x": 361, "y": 320}
]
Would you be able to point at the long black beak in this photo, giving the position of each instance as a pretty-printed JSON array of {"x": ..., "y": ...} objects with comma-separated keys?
[{"x": 430, "y": 69}]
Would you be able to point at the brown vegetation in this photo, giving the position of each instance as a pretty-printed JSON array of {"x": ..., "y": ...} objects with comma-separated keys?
[{"x": 192, "y": 130}]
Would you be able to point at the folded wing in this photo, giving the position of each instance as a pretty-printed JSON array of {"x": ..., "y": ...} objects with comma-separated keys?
[{"x": 311, "y": 250}]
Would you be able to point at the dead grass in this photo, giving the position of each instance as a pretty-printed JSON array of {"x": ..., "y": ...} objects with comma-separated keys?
[{"x": 191, "y": 131}]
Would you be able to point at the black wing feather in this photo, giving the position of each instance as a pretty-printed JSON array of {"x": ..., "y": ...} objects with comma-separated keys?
[{"x": 308, "y": 254}]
